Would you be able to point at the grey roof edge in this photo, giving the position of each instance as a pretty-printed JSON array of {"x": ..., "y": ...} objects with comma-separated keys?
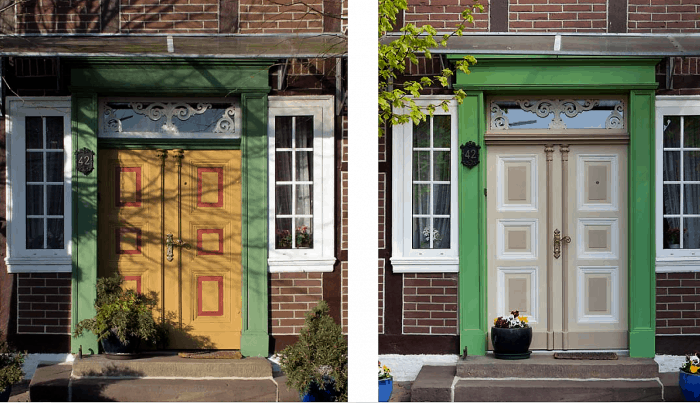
[{"x": 175, "y": 35}]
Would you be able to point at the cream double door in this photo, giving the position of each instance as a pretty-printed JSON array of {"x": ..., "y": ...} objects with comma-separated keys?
[{"x": 557, "y": 244}]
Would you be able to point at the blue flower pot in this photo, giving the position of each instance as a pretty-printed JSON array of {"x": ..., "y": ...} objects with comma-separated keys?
[
  {"x": 385, "y": 388},
  {"x": 690, "y": 386},
  {"x": 5, "y": 394},
  {"x": 315, "y": 394}
]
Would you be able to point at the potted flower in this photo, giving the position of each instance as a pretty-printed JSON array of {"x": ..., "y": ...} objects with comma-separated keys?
[
  {"x": 10, "y": 369},
  {"x": 304, "y": 237},
  {"x": 511, "y": 337},
  {"x": 673, "y": 237},
  {"x": 689, "y": 379},
  {"x": 386, "y": 383},
  {"x": 123, "y": 319},
  {"x": 317, "y": 364}
]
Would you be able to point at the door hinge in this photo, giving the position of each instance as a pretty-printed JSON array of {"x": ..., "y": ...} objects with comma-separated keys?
[{"x": 485, "y": 195}]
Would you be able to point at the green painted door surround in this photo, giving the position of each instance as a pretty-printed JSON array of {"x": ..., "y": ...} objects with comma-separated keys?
[
  {"x": 96, "y": 77},
  {"x": 559, "y": 75}
]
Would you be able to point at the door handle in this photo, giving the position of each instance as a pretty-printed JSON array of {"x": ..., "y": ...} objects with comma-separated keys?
[
  {"x": 169, "y": 247},
  {"x": 557, "y": 242}
]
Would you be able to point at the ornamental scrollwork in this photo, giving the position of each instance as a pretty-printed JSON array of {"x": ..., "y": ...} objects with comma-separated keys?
[
  {"x": 568, "y": 107},
  {"x": 499, "y": 120},
  {"x": 225, "y": 124},
  {"x": 556, "y": 107},
  {"x": 157, "y": 111},
  {"x": 615, "y": 120}
]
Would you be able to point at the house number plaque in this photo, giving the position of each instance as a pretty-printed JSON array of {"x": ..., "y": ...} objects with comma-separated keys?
[
  {"x": 85, "y": 160},
  {"x": 470, "y": 154}
]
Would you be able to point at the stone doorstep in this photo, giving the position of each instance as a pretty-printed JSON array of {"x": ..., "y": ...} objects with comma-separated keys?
[{"x": 546, "y": 366}]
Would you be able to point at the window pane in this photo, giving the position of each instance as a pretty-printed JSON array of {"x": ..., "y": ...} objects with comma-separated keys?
[
  {"x": 672, "y": 164},
  {"x": 671, "y": 233},
  {"x": 441, "y": 170},
  {"x": 691, "y": 199},
  {"x": 304, "y": 168},
  {"x": 691, "y": 165},
  {"x": 304, "y": 131},
  {"x": 691, "y": 131},
  {"x": 421, "y": 233},
  {"x": 421, "y": 165},
  {"x": 54, "y": 132},
  {"x": 442, "y": 130},
  {"x": 691, "y": 233},
  {"x": 35, "y": 128},
  {"x": 421, "y": 134},
  {"x": 35, "y": 199},
  {"x": 35, "y": 167},
  {"x": 54, "y": 167},
  {"x": 283, "y": 166},
  {"x": 442, "y": 199},
  {"x": 283, "y": 199},
  {"x": 304, "y": 199},
  {"x": 54, "y": 236},
  {"x": 283, "y": 233},
  {"x": 672, "y": 131},
  {"x": 441, "y": 233},
  {"x": 672, "y": 199},
  {"x": 35, "y": 233},
  {"x": 55, "y": 199},
  {"x": 283, "y": 132},
  {"x": 421, "y": 199},
  {"x": 303, "y": 233}
]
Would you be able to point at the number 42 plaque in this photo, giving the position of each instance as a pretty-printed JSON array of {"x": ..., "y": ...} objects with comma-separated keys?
[
  {"x": 470, "y": 154},
  {"x": 85, "y": 160}
]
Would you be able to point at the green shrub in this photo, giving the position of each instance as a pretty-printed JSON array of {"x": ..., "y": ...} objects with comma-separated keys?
[
  {"x": 320, "y": 355},
  {"x": 10, "y": 365}
]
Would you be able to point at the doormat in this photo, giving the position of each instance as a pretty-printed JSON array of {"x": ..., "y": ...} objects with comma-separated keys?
[
  {"x": 586, "y": 356},
  {"x": 213, "y": 355}
]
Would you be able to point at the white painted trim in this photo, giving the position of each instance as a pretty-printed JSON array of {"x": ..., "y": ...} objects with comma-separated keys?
[
  {"x": 405, "y": 259},
  {"x": 534, "y": 290},
  {"x": 501, "y": 225},
  {"x": 581, "y": 178},
  {"x": 671, "y": 260},
  {"x": 321, "y": 257},
  {"x": 614, "y": 316},
  {"x": 581, "y": 237},
  {"x": 18, "y": 258},
  {"x": 533, "y": 159}
]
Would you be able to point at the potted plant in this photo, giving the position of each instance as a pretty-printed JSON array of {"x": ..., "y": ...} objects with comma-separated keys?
[
  {"x": 10, "y": 369},
  {"x": 673, "y": 237},
  {"x": 123, "y": 319},
  {"x": 386, "y": 383},
  {"x": 317, "y": 364},
  {"x": 511, "y": 337},
  {"x": 689, "y": 379},
  {"x": 304, "y": 237}
]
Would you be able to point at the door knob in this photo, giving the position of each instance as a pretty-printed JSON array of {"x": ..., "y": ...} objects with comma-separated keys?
[{"x": 557, "y": 242}]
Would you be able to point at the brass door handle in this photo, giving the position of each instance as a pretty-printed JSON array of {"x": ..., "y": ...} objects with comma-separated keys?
[
  {"x": 169, "y": 247},
  {"x": 557, "y": 242}
]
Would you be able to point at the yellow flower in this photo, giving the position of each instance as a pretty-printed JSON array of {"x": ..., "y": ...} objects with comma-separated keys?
[
  {"x": 523, "y": 318},
  {"x": 693, "y": 369},
  {"x": 495, "y": 320}
]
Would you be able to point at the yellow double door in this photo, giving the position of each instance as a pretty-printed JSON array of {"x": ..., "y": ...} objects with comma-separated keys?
[{"x": 170, "y": 223}]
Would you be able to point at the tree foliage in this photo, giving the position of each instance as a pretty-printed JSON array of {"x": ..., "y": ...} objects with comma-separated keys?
[
  {"x": 10, "y": 365},
  {"x": 394, "y": 56}
]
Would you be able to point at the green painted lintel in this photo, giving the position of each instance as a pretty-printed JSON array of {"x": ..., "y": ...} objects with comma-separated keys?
[{"x": 170, "y": 144}]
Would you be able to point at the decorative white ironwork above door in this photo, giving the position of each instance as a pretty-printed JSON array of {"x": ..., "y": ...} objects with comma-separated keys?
[
  {"x": 150, "y": 118},
  {"x": 508, "y": 114}
]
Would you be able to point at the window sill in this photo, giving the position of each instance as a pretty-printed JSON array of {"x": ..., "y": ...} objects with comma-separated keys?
[
  {"x": 425, "y": 264},
  {"x": 38, "y": 265},
  {"x": 291, "y": 265},
  {"x": 680, "y": 264}
]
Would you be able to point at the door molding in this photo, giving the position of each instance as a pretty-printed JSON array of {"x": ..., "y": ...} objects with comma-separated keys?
[
  {"x": 537, "y": 74},
  {"x": 175, "y": 77}
]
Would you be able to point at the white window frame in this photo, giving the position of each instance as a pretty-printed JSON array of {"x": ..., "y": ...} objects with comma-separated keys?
[
  {"x": 319, "y": 258},
  {"x": 405, "y": 259},
  {"x": 671, "y": 260},
  {"x": 19, "y": 259}
]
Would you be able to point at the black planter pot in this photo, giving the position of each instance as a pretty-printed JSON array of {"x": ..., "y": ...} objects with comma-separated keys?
[
  {"x": 116, "y": 350},
  {"x": 5, "y": 394},
  {"x": 511, "y": 344}
]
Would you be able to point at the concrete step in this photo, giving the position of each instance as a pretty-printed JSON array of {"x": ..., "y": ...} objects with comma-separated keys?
[
  {"x": 546, "y": 366},
  {"x": 160, "y": 378}
]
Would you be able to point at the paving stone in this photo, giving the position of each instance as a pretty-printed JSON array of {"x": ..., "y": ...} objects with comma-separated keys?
[
  {"x": 433, "y": 384},
  {"x": 50, "y": 383}
]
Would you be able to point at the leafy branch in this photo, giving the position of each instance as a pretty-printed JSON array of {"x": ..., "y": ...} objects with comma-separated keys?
[{"x": 393, "y": 59}]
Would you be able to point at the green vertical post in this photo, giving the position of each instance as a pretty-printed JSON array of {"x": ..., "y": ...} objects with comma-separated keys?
[
  {"x": 641, "y": 248},
  {"x": 472, "y": 231},
  {"x": 84, "y": 193},
  {"x": 255, "y": 339}
]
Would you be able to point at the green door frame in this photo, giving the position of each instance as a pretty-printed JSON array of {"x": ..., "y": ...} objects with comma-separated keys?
[
  {"x": 553, "y": 75},
  {"x": 248, "y": 79}
]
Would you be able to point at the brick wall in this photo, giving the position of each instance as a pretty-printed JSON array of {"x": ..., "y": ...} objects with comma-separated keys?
[
  {"x": 659, "y": 16},
  {"x": 445, "y": 14},
  {"x": 557, "y": 15},
  {"x": 292, "y": 295},
  {"x": 44, "y": 16},
  {"x": 43, "y": 303},
  {"x": 169, "y": 16},
  {"x": 283, "y": 16},
  {"x": 344, "y": 228},
  {"x": 430, "y": 303},
  {"x": 380, "y": 313},
  {"x": 677, "y": 303}
]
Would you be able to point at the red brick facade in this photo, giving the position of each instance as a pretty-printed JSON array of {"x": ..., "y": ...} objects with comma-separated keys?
[
  {"x": 43, "y": 303},
  {"x": 678, "y": 303},
  {"x": 430, "y": 304},
  {"x": 292, "y": 295}
]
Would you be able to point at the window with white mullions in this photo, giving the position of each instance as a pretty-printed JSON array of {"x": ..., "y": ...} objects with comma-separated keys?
[
  {"x": 44, "y": 182},
  {"x": 294, "y": 154},
  {"x": 431, "y": 181},
  {"x": 681, "y": 182}
]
